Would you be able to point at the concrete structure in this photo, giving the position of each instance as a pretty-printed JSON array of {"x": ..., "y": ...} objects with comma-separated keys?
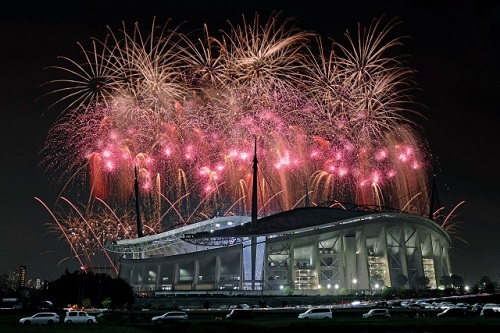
[{"x": 310, "y": 250}]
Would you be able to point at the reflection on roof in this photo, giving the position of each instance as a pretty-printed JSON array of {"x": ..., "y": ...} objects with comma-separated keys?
[
  {"x": 307, "y": 218},
  {"x": 223, "y": 231}
]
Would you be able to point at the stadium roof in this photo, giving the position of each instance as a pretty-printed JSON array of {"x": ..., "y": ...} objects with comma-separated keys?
[
  {"x": 307, "y": 218},
  {"x": 230, "y": 230}
]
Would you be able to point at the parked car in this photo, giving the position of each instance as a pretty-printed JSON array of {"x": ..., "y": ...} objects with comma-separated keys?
[
  {"x": 453, "y": 312},
  {"x": 41, "y": 318},
  {"x": 316, "y": 313},
  {"x": 240, "y": 314},
  {"x": 425, "y": 305},
  {"x": 489, "y": 312},
  {"x": 446, "y": 305},
  {"x": 79, "y": 317},
  {"x": 382, "y": 304},
  {"x": 377, "y": 313},
  {"x": 404, "y": 304},
  {"x": 492, "y": 306},
  {"x": 463, "y": 305},
  {"x": 172, "y": 315},
  {"x": 414, "y": 305},
  {"x": 477, "y": 307}
]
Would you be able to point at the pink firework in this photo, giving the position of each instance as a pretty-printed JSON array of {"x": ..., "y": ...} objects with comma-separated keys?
[{"x": 329, "y": 124}]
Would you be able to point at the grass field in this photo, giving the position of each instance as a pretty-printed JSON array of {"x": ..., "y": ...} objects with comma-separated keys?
[{"x": 268, "y": 321}]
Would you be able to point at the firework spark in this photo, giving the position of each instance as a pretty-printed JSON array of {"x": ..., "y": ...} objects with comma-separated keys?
[{"x": 330, "y": 126}]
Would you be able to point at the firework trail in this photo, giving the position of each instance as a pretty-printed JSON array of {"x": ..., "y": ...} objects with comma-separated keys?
[{"x": 330, "y": 124}]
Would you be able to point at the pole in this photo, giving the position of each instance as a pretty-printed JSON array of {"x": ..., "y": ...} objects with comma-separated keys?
[
  {"x": 138, "y": 205},
  {"x": 254, "y": 186},
  {"x": 254, "y": 215}
]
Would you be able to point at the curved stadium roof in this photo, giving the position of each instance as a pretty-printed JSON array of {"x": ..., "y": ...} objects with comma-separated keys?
[
  {"x": 223, "y": 230},
  {"x": 307, "y": 218}
]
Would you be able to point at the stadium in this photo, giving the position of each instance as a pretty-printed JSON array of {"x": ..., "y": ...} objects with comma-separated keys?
[
  {"x": 337, "y": 248},
  {"x": 161, "y": 127}
]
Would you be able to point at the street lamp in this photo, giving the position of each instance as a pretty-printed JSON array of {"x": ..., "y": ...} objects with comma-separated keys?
[
  {"x": 354, "y": 281},
  {"x": 328, "y": 287}
]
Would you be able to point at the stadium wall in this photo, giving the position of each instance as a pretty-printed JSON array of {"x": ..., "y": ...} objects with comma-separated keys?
[{"x": 357, "y": 256}]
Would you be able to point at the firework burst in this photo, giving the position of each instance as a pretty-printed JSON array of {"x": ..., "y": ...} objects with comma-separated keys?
[{"x": 185, "y": 111}]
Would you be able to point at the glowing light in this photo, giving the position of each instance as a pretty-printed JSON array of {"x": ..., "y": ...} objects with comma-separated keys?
[
  {"x": 342, "y": 171},
  {"x": 186, "y": 111},
  {"x": 381, "y": 154},
  {"x": 168, "y": 151},
  {"x": 109, "y": 165}
]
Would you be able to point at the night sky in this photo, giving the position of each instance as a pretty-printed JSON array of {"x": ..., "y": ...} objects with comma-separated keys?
[{"x": 454, "y": 47}]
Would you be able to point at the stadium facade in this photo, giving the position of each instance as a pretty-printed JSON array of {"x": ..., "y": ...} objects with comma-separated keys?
[{"x": 311, "y": 250}]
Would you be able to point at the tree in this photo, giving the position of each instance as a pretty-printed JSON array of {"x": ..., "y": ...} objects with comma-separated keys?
[
  {"x": 86, "y": 303},
  {"x": 387, "y": 293},
  {"x": 420, "y": 282},
  {"x": 445, "y": 281},
  {"x": 485, "y": 285},
  {"x": 457, "y": 281},
  {"x": 343, "y": 291},
  {"x": 106, "y": 303},
  {"x": 77, "y": 287},
  {"x": 288, "y": 291}
]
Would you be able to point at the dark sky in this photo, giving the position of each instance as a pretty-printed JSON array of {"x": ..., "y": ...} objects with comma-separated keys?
[{"x": 454, "y": 47}]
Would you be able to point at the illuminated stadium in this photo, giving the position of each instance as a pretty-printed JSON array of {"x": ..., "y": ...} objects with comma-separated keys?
[
  {"x": 172, "y": 118},
  {"x": 307, "y": 249}
]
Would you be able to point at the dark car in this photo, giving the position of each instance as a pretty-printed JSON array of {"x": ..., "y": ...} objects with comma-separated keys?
[
  {"x": 477, "y": 307},
  {"x": 240, "y": 314},
  {"x": 453, "y": 312},
  {"x": 489, "y": 312}
]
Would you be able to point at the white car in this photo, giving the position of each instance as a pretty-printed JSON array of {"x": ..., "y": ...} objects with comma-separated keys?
[
  {"x": 453, "y": 312},
  {"x": 79, "y": 317},
  {"x": 316, "y": 313},
  {"x": 425, "y": 305},
  {"x": 491, "y": 306},
  {"x": 41, "y": 318},
  {"x": 446, "y": 305},
  {"x": 172, "y": 315},
  {"x": 377, "y": 313}
]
